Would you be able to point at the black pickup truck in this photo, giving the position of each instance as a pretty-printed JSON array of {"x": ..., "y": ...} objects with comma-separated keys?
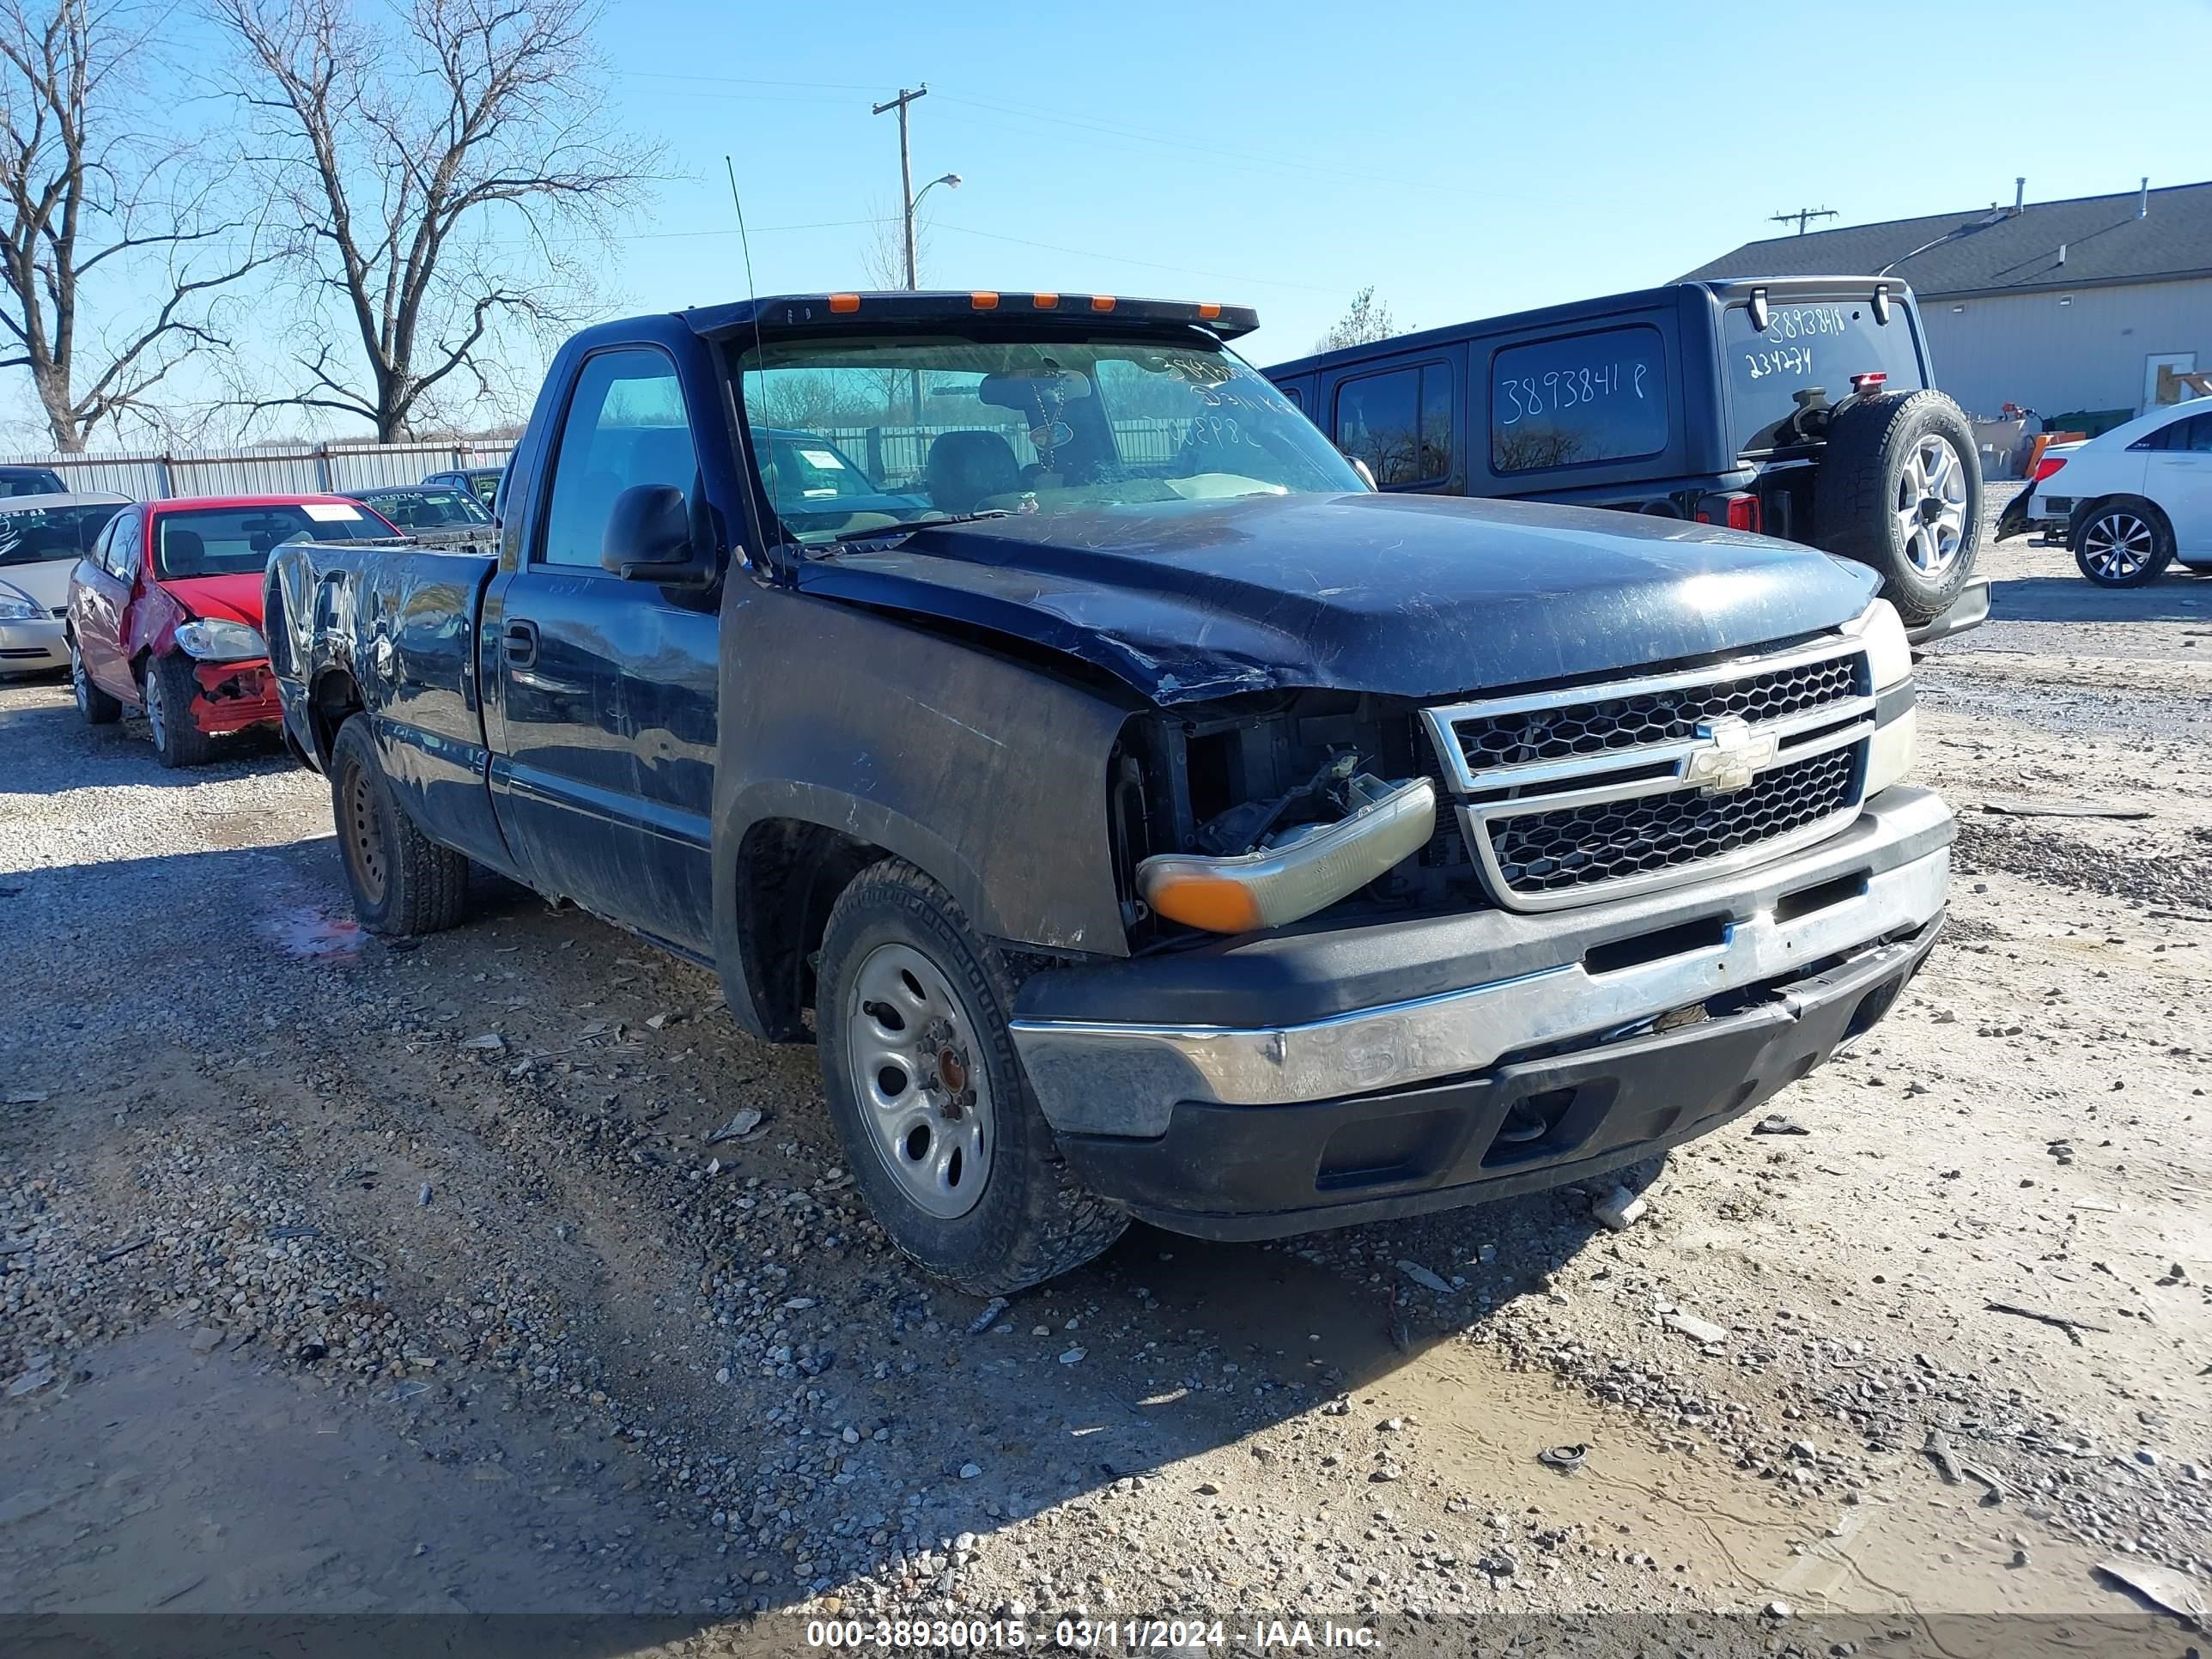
[{"x": 1143, "y": 816}]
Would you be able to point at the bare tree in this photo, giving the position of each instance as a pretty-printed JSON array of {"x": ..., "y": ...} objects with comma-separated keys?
[
  {"x": 883, "y": 248},
  {"x": 1367, "y": 319},
  {"x": 112, "y": 247},
  {"x": 447, "y": 173}
]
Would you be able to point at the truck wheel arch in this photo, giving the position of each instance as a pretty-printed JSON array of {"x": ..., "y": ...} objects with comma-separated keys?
[
  {"x": 796, "y": 854},
  {"x": 332, "y": 700}
]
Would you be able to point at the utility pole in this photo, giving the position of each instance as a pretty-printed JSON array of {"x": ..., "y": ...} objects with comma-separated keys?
[
  {"x": 1800, "y": 215},
  {"x": 906, "y": 170}
]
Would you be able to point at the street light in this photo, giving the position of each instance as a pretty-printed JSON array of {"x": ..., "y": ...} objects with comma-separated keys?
[{"x": 913, "y": 207}]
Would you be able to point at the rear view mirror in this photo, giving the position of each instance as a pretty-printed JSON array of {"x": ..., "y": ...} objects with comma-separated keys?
[{"x": 648, "y": 539}]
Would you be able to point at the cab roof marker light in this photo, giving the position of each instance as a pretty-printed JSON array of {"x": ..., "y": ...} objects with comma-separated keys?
[
  {"x": 1101, "y": 302},
  {"x": 842, "y": 303},
  {"x": 1045, "y": 302},
  {"x": 1208, "y": 310},
  {"x": 1278, "y": 885},
  {"x": 984, "y": 299}
]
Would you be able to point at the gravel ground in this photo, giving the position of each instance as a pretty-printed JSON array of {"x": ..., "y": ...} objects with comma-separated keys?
[{"x": 337, "y": 1277}]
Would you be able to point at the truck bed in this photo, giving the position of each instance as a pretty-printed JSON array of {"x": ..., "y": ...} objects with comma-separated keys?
[{"x": 390, "y": 630}]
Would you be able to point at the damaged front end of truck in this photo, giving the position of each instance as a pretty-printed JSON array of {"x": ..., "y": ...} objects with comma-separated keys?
[{"x": 1347, "y": 854}]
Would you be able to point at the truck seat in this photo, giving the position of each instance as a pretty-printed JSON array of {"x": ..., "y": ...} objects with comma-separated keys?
[{"x": 967, "y": 467}]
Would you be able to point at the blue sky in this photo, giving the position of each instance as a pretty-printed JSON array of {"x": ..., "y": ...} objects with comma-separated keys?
[{"x": 1465, "y": 159}]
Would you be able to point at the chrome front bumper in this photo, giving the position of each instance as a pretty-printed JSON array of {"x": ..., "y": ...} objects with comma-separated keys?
[{"x": 1127, "y": 1079}]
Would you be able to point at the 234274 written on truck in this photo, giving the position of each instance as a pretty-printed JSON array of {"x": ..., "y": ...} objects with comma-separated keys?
[{"x": 1144, "y": 816}]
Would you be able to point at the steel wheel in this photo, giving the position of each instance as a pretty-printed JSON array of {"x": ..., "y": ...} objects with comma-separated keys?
[
  {"x": 917, "y": 1073},
  {"x": 2118, "y": 545},
  {"x": 362, "y": 834},
  {"x": 1931, "y": 504}
]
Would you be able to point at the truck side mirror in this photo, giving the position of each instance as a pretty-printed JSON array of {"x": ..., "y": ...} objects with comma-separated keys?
[{"x": 648, "y": 539}]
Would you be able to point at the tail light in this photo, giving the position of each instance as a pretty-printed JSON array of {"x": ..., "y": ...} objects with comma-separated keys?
[
  {"x": 1869, "y": 386},
  {"x": 1738, "y": 510},
  {"x": 2047, "y": 466}
]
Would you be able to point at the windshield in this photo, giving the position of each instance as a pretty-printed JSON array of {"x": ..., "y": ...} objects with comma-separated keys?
[
  {"x": 31, "y": 481},
  {"x": 35, "y": 535},
  {"x": 231, "y": 541},
  {"x": 1805, "y": 359},
  {"x": 860, "y": 434},
  {"x": 427, "y": 509}
]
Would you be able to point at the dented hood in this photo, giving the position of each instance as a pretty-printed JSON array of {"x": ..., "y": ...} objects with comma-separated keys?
[
  {"x": 1411, "y": 596},
  {"x": 225, "y": 598}
]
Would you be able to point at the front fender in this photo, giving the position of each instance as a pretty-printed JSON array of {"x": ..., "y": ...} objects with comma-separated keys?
[{"x": 988, "y": 774}]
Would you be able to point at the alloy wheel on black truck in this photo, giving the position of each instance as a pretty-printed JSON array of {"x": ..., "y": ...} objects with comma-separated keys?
[
  {"x": 945, "y": 1141},
  {"x": 1900, "y": 488}
]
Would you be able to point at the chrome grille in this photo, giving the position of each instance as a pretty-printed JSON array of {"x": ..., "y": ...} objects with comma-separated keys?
[
  {"x": 1582, "y": 845},
  {"x": 1570, "y": 796},
  {"x": 1607, "y": 725}
]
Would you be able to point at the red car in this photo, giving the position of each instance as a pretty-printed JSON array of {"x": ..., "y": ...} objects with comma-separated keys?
[{"x": 165, "y": 612}]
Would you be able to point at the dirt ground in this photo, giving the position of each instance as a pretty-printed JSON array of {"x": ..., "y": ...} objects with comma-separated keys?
[{"x": 338, "y": 1277}]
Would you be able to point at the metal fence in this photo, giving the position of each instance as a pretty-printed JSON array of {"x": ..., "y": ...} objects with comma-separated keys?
[
  {"x": 893, "y": 455},
  {"x": 898, "y": 456},
  {"x": 281, "y": 469}
]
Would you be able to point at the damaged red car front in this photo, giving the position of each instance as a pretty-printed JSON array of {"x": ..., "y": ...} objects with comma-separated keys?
[{"x": 165, "y": 612}]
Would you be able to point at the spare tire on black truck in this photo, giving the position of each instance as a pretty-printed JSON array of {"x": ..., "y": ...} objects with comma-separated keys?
[{"x": 1899, "y": 488}]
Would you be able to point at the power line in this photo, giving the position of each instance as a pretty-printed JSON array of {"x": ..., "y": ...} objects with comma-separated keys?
[
  {"x": 1123, "y": 259},
  {"x": 1800, "y": 215}
]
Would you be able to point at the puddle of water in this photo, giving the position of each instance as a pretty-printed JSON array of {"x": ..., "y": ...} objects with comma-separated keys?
[{"x": 306, "y": 932}]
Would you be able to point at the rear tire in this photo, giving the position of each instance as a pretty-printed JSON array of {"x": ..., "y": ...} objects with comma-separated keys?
[
  {"x": 2122, "y": 543},
  {"x": 1900, "y": 489},
  {"x": 941, "y": 1131},
  {"x": 403, "y": 882},
  {"x": 169, "y": 688},
  {"x": 94, "y": 704}
]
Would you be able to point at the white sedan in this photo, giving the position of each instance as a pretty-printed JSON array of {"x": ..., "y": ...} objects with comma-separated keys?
[{"x": 2134, "y": 499}]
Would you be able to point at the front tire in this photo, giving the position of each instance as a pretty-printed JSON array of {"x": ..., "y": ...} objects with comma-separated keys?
[
  {"x": 403, "y": 882},
  {"x": 943, "y": 1135},
  {"x": 169, "y": 688},
  {"x": 2123, "y": 543},
  {"x": 1900, "y": 489},
  {"x": 94, "y": 704}
]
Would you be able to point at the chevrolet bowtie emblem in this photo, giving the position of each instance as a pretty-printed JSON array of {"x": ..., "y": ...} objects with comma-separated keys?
[{"x": 1730, "y": 755}]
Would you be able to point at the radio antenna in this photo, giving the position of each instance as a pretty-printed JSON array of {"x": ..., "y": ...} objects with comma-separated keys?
[{"x": 752, "y": 297}]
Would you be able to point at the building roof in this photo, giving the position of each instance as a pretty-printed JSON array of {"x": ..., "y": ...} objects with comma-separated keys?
[{"x": 1988, "y": 250}]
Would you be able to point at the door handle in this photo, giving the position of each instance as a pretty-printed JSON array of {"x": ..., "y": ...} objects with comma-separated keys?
[{"x": 521, "y": 642}]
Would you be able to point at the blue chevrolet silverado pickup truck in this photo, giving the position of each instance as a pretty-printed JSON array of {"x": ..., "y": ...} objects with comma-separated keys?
[{"x": 1142, "y": 814}]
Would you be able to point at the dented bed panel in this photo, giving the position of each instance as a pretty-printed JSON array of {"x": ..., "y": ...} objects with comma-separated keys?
[
  {"x": 989, "y": 776},
  {"x": 392, "y": 629}
]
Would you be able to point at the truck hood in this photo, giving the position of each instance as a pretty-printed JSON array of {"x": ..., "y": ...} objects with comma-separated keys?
[
  {"x": 1409, "y": 596},
  {"x": 226, "y": 598}
]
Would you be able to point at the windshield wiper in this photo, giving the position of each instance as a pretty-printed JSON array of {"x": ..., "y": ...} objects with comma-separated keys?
[{"x": 883, "y": 531}]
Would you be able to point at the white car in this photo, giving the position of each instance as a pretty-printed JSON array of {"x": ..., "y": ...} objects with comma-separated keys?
[
  {"x": 2134, "y": 499},
  {"x": 41, "y": 539}
]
